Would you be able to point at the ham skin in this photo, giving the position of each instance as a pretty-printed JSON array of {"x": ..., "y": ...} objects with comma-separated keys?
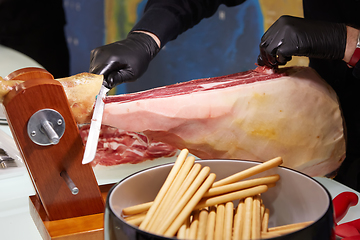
[
  {"x": 254, "y": 115},
  {"x": 81, "y": 91}
]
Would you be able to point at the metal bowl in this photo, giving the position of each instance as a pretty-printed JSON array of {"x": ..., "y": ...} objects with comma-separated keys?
[{"x": 295, "y": 198}]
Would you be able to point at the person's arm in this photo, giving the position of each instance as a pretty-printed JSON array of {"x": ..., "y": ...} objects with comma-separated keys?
[
  {"x": 169, "y": 18},
  {"x": 292, "y": 36},
  {"x": 163, "y": 21}
]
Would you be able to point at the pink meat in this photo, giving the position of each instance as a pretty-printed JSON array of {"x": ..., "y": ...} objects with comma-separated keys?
[
  {"x": 255, "y": 115},
  {"x": 119, "y": 147}
]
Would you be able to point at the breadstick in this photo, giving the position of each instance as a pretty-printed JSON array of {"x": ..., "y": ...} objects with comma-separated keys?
[
  {"x": 194, "y": 225},
  {"x": 136, "y": 219},
  {"x": 186, "y": 184},
  {"x": 241, "y": 185},
  {"x": 262, "y": 210},
  {"x": 219, "y": 222},
  {"x": 137, "y": 209},
  {"x": 265, "y": 221},
  {"x": 191, "y": 204},
  {"x": 145, "y": 206},
  {"x": 181, "y": 204},
  {"x": 181, "y": 234},
  {"x": 250, "y": 172},
  {"x": 203, "y": 216},
  {"x": 231, "y": 196},
  {"x": 256, "y": 223},
  {"x": 247, "y": 219},
  {"x": 238, "y": 220},
  {"x": 284, "y": 229},
  {"x": 265, "y": 235},
  {"x": 228, "y": 224},
  {"x": 161, "y": 212},
  {"x": 210, "y": 225},
  {"x": 165, "y": 187}
]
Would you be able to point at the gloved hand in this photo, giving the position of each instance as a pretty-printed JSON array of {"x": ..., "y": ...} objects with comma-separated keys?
[
  {"x": 125, "y": 60},
  {"x": 292, "y": 36}
]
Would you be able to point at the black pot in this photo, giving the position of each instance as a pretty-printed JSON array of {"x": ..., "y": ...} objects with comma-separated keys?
[{"x": 295, "y": 198}]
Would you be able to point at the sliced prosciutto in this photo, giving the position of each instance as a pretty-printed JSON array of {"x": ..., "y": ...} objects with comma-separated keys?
[
  {"x": 120, "y": 147},
  {"x": 256, "y": 115}
]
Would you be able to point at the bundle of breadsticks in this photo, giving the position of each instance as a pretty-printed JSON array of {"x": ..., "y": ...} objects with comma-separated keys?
[{"x": 192, "y": 205}]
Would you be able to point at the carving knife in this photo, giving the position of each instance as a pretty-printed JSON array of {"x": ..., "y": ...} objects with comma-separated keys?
[{"x": 95, "y": 125}]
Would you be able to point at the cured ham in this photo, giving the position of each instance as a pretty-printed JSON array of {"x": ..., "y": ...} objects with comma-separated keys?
[
  {"x": 256, "y": 115},
  {"x": 81, "y": 90},
  {"x": 120, "y": 147}
]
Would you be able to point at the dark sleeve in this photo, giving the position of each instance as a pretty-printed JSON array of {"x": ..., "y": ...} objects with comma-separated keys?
[{"x": 169, "y": 18}]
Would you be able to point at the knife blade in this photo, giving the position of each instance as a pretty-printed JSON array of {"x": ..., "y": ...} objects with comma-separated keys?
[{"x": 95, "y": 126}]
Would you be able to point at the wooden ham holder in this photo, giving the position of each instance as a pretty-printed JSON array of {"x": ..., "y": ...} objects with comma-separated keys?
[{"x": 68, "y": 203}]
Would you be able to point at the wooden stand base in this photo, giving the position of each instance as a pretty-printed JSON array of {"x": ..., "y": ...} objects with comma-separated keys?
[{"x": 90, "y": 227}]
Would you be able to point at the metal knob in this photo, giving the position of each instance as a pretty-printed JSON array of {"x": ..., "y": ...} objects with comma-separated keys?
[
  {"x": 46, "y": 127},
  {"x": 69, "y": 182},
  {"x": 50, "y": 132}
]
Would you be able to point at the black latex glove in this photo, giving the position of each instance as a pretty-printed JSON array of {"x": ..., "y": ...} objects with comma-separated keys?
[
  {"x": 125, "y": 60},
  {"x": 292, "y": 36}
]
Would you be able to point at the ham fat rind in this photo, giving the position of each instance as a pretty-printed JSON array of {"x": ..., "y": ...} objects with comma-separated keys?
[{"x": 253, "y": 115}]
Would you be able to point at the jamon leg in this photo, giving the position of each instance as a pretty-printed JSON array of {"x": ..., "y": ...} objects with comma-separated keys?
[{"x": 255, "y": 115}]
